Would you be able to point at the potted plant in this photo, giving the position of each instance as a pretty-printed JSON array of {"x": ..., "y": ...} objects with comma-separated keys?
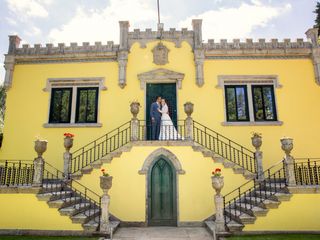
[
  {"x": 134, "y": 108},
  {"x": 256, "y": 140},
  {"x": 40, "y": 146},
  {"x": 105, "y": 181},
  {"x": 68, "y": 140},
  {"x": 188, "y": 108},
  {"x": 217, "y": 180}
]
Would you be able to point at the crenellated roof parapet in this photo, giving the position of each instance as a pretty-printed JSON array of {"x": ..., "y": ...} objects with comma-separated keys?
[
  {"x": 261, "y": 47},
  {"x": 148, "y": 35},
  {"x": 62, "y": 49}
]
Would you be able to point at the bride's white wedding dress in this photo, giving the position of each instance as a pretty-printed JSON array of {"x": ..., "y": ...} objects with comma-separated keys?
[{"x": 167, "y": 129}]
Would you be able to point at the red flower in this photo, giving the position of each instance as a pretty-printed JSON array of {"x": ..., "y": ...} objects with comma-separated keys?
[
  {"x": 70, "y": 135},
  {"x": 218, "y": 170},
  {"x": 213, "y": 172},
  {"x": 102, "y": 170}
]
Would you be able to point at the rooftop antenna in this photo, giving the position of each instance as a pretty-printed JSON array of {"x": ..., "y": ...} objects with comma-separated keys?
[{"x": 160, "y": 25}]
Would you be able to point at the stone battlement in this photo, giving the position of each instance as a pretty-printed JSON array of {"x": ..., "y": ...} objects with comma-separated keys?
[
  {"x": 62, "y": 48},
  {"x": 260, "y": 44}
]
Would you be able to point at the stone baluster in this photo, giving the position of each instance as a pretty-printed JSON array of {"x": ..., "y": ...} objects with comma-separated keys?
[
  {"x": 105, "y": 185},
  {"x": 287, "y": 146},
  {"x": 188, "y": 109},
  {"x": 40, "y": 146},
  {"x": 134, "y": 109},
  {"x": 217, "y": 184},
  {"x": 67, "y": 156},
  {"x": 256, "y": 140}
]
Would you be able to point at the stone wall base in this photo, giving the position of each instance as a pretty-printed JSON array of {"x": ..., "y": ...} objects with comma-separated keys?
[{"x": 276, "y": 232}]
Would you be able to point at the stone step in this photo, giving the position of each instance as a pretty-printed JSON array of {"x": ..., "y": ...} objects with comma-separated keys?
[
  {"x": 85, "y": 216},
  {"x": 264, "y": 203},
  {"x": 92, "y": 225},
  {"x": 51, "y": 187},
  {"x": 76, "y": 175},
  {"x": 228, "y": 164},
  {"x": 54, "y": 195},
  {"x": 64, "y": 202},
  {"x": 87, "y": 169},
  {"x": 251, "y": 209},
  {"x": 218, "y": 159},
  {"x": 281, "y": 196},
  {"x": 97, "y": 164},
  {"x": 234, "y": 226},
  {"x": 240, "y": 216},
  {"x": 74, "y": 209},
  {"x": 211, "y": 227}
]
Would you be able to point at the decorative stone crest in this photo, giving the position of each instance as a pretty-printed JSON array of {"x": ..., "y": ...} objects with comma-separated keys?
[{"x": 160, "y": 54}]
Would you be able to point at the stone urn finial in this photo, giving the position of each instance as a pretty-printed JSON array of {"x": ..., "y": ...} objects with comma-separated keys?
[
  {"x": 134, "y": 108},
  {"x": 188, "y": 108},
  {"x": 256, "y": 140},
  {"x": 286, "y": 145},
  {"x": 40, "y": 146},
  {"x": 217, "y": 180},
  {"x": 105, "y": 181}
]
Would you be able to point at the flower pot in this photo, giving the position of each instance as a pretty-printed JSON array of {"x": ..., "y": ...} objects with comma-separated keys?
[
  {"x": 287, "y": 144},
  {"x": 68, "y": 143},
  {"x": 256, "y": 141},
  {"x": 217, "y": 183},
  {"x": 188, "y": 108},
  {"x": 40, "y": 146},
  {"x": 134, "y": 108},
  {"x": 105, "y": 183}
]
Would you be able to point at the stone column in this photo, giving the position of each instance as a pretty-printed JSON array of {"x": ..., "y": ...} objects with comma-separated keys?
[
  {"x": 198, "y": 50},
  {"x": 256, "y": 140},
  {"x": 199, "y": 60},
  {"x": 188, "y": 109},
  {"x": 9, "y": 67},
  {"x": 134, "y": 109},
  {"x": 67, "y": 156},
  {"x": 312, "y": 34},
  {"x": 217, "y": 184},
  {"x": 40, "y": 146},
  {"x": 105, "y": 185},
  {"x": 14, "y": 42},
  {"x": 287, "y": 146},
  {"x": 123, "y": 52}
]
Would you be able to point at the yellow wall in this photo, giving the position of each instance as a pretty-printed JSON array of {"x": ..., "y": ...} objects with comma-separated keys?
[
  {"x": 297, "y": 101},
  {"x": 128, "y": 193},
  {"x": 301, "y": 213},
  {"x": 25, "y": 211}
]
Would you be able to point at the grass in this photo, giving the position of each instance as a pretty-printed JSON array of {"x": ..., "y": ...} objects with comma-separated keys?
[
  {"x": 43, "y": 238},
  {"x": 278, "y": 237}
]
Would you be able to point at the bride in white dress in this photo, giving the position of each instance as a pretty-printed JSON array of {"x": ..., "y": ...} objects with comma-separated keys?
[{"x": 167, "y": 129}]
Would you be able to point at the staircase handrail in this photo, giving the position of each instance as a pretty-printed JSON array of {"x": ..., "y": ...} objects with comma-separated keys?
[{"x": 224, "y": 146}]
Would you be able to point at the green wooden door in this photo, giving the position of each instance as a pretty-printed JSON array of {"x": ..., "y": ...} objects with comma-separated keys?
[
  {"x": 167, "y": 91},
  {"x": 162, "y": 210}
]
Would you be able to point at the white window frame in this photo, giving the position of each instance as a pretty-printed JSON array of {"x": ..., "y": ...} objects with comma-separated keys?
[
  {"x": 74, "y": 83},
  {"x": 249, "y": 80}
]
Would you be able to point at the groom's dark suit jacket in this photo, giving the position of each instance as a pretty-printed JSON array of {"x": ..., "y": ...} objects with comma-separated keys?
[{"x": 154, "y": 113}]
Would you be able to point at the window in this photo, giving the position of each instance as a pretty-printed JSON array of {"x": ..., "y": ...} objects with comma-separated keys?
[
  {"x": 60, "y": 107},
  {"x": 87, "y": 105},
  {"x": 263, "y": 103},
  {"x": 237, "y": 103}
]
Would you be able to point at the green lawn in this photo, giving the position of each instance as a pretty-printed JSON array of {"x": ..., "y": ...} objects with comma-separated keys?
[
  {"x": 278, "y": 237},
  {"x": 44, "y": 238}
]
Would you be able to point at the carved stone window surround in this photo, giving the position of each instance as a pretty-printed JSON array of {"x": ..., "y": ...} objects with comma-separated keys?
[
  {"x": 74, "y": 83},
  {"x": 249, "y": 80}
]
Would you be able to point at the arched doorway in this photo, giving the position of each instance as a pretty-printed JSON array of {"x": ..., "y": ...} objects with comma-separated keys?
[{"x": 162, "y": 196}]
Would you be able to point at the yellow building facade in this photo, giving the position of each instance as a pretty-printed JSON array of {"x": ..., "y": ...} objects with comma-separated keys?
[{"x": 235, "y": 88}]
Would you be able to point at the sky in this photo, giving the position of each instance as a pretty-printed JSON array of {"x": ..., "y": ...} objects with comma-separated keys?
[{"x": 65, "y": 21}]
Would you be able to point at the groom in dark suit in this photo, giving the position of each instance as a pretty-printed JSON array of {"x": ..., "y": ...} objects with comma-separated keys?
[{"x": 155, "y": 118}]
